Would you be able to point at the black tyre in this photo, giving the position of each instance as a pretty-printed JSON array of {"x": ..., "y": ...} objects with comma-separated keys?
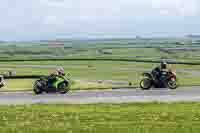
[
  {"x": 145, "y": 84},
  {"x": 172, "y": 84},
  {"x": 1, "y": 85},
  {"x": 38, "y": 87},
  {"x": 63, "y": 88}
]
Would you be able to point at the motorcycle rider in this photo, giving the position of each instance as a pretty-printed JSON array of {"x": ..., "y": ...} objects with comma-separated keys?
[
  {"x": 2, "y": 81},
  {"x": 52, "y": 78},
  {"x": 157, "y": 72}
]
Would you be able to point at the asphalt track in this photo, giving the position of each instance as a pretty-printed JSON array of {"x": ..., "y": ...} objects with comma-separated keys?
[{"x": 191, "y": 94}]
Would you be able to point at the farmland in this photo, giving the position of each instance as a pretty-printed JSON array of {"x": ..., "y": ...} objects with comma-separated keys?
[{"x": 152, "y": 49}]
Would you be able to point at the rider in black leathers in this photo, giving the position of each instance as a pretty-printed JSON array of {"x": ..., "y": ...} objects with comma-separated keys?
[{"x": 157, "y": 72}]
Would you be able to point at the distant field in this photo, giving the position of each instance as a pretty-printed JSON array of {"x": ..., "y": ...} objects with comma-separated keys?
[
  {"x": 109, "y": 118},
  {"x": 117, "y": 49}
]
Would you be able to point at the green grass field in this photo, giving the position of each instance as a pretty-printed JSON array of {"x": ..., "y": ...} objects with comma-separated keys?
[{"x": 109, "y": 118}]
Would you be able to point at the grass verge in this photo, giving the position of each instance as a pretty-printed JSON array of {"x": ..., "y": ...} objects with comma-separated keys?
[
  {"x": 95, "y": 71},
  {"x": 103, "y": 118},
  {"x": 27, "y": 84}
]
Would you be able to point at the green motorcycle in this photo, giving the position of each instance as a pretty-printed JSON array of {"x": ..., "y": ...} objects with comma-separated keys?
[{"x": 46, "y": 84}]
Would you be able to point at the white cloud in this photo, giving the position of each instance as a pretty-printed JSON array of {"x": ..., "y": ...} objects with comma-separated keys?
[
  {"x": 177, "y": 7},
  {"x": 95, "y": 16}
]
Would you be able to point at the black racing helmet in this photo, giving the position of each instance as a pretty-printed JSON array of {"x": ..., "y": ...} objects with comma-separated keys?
[{"x": 163, "y": 64}]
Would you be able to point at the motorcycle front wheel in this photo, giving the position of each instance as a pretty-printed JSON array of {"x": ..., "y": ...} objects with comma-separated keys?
[
  {"x": 63, "y": 88},
  {"x": 172, "y": 84}
]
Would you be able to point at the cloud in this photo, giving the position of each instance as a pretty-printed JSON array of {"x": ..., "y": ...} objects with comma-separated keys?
[
  {"x": 44, "y": 18},
  {"x": 177, "y": 7}
]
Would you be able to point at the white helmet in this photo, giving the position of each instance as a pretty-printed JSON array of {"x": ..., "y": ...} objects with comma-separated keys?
[{"x": 60, "y": 71}]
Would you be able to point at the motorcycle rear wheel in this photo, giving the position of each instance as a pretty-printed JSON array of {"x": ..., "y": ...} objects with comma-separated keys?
[
  {"x": 37, "y": 88},
  {"x": 145, "y": 84}
]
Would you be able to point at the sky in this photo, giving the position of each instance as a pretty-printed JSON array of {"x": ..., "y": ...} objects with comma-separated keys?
[{"x": 50, "y": 19}]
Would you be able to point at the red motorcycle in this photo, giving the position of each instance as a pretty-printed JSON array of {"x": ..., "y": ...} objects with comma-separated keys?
[{"x": 167, "y": 80}]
